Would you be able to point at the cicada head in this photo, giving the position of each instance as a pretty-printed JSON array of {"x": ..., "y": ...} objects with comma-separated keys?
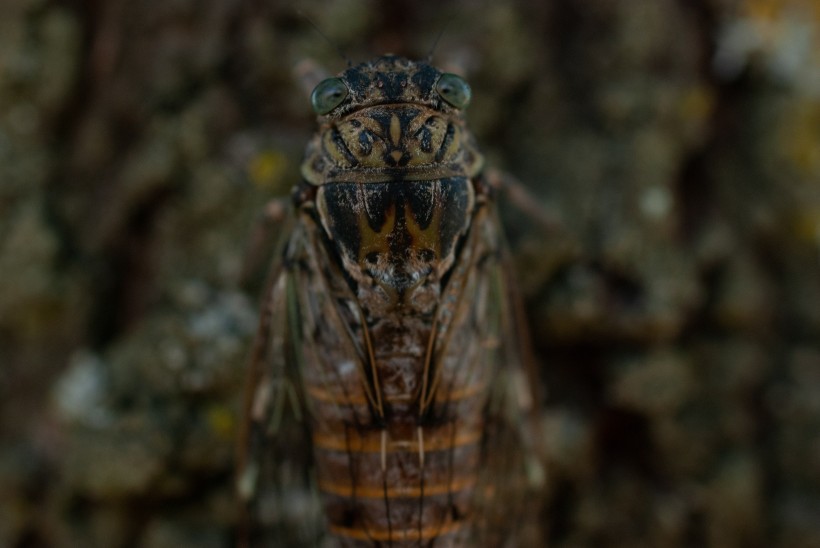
[
  {"x": 391, "y": 119},
  {"x": 393, "y": 165}
]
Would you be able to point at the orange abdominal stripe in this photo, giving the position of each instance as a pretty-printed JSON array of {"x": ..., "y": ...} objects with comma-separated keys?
[
  {"x": 371, "y": 442},
  {"x": 399, "y": 491},
  {"x": 457, "y": 394},
  {"x": 386, "y": 535}
]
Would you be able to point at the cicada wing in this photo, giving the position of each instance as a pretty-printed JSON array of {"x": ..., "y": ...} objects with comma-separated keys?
[
  {"x": 275, "y": 483},
  {"x": 508, "y": 486},
  {"x": 513, "y": 475},
  {"x": 514, "y": 413}
]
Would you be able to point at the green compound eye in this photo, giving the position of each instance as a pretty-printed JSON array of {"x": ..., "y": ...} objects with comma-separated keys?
[
  {"x": 328, "y": 95},
  {"x": 454, "y": 90}
]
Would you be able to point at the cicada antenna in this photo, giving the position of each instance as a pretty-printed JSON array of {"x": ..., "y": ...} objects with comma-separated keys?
[
  {"x": 332, "y": 44},
  {"x": 444, "y": 27}
]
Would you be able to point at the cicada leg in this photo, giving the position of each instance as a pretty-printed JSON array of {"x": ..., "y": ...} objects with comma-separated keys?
[{"x": 548, "y": 219}]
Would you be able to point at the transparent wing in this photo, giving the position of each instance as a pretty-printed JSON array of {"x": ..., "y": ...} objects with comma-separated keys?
[
  {"x": 509, "y": 488},
  {"x": 513, "y": 426},
  {"x": 275, "y": 482},
  {"x": 495, "y": 343},
  {"x": 480, "y": 348}
]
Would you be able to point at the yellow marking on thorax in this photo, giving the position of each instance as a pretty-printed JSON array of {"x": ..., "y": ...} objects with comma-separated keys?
[
  {"x": 395, "y": 130},
  {"x": 372, "y": 241},
  {"x": 428, "y": 237}
]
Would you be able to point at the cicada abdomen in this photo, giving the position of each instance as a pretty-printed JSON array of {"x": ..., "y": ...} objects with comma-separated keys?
[{"x": 385, "y": 333}]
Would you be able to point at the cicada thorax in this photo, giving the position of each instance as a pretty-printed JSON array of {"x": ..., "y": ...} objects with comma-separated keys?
[{"x": 392, "y": 267}]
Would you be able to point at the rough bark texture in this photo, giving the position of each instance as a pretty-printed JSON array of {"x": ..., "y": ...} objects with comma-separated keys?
[{"x": 676, "y": 311}]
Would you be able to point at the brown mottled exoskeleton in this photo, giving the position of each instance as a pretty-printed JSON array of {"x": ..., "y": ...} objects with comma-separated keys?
[{"x": 385, "y": 374}]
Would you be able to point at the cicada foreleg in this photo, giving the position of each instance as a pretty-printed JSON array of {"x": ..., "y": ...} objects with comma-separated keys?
[{"x": 517, "y": 193}]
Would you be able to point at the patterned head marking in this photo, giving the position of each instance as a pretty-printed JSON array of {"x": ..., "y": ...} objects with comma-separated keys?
[{"x": 387, "y": 119}]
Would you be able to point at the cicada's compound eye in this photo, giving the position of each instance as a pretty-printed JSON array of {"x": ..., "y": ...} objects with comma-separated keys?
[
  {"x": 454, "y": 89},
  {"x": 328, "y": 95}
]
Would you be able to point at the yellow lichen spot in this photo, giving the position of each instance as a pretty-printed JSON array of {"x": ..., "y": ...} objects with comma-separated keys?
[
  {"x": 221, "y": 421},
  {"x": 268, "y": 168},
  {"x": 697, "y": 103},
  {"x": 807, "y": 225},
  {"x": 766, "y": 10},
  {"x": 769, "y": 17},
  {"x": 770, "y": 10},
  {"x": 800, "y": 139}
]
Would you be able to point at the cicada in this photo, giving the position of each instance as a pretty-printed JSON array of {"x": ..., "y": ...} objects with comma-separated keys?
[{"x": 384, "y": 402}]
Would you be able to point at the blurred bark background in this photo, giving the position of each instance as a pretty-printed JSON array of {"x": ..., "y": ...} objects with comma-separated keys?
[{"x": 676, "y": 313}]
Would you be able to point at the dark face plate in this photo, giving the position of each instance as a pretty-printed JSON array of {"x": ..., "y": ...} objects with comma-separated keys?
[{"x": 392, "y": 79}]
